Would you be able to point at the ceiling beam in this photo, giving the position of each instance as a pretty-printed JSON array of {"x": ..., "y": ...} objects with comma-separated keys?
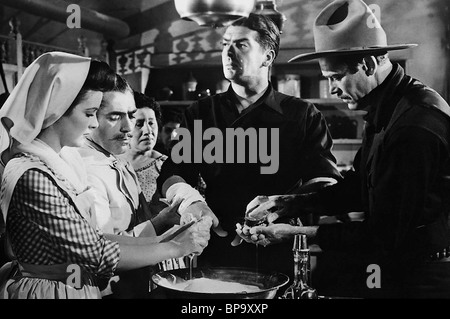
[
  {"x": 39, "y": 24},
  {"x": 152, "y": 18},
  {"x": 57, "y": 10},
  {"x": 50, "y": 40}
]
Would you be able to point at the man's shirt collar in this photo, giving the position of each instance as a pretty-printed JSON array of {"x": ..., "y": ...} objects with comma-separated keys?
[
  {"x": 268, "y": 99},
  {"x": 90, "y": 142}
]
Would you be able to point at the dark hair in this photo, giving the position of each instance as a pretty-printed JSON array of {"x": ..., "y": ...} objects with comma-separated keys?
[
  {"x": 172, "y": 115},
  {"x": 121, "y": 85},
  {"x": 100, "y": 78},
  {"x": 269, "y": 34},
  {"x": 143, "y": 100},
  {"x": 3, "y": 97}
]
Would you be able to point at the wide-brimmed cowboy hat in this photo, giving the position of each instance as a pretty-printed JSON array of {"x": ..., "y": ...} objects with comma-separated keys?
[{"x": 348, "y": 27}]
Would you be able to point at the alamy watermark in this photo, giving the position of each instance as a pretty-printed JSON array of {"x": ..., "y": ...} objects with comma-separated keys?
[
  {"x": 74, "y": 279},
  {"x": 374, "y": 279},
  {"x": 74, "y": 19},
  {"x": 237, "y": 144}
]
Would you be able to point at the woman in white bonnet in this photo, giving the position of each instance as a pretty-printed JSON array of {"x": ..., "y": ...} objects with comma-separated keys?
[{"x": 57, "y": 250}]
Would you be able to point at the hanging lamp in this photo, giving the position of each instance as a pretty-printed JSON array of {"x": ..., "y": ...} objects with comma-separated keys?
[
  {"x": 269, "y": 8},
  {"x": 214, "y": 13}
]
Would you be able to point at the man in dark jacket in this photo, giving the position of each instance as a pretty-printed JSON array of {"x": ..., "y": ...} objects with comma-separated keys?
[
  {"x": 401, "y": 177},
  {"x": 276, "y": 141}
]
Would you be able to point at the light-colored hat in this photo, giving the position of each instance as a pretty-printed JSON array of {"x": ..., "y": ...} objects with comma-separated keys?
[
  {"x": 43, "y": 94},
  {"x": 348, "y": 27}
]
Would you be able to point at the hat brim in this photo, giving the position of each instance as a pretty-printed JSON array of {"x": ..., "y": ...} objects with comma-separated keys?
[{"x": 365, "y": 50}]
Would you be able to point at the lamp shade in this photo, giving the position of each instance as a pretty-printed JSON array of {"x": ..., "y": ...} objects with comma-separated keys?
[
  {"x": 214, "y": 13},
  {"x": 269, "y": 8}
]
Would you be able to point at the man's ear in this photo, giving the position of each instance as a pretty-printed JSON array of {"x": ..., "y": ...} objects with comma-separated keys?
[
  {"x": 270, "y": 57},
  {"x": 370, "y": 65}
]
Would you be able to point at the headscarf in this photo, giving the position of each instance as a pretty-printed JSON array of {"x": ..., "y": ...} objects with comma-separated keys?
[{"x": 43, "y": 94}]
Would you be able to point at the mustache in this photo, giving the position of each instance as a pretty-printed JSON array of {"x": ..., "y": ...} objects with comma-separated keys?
[{"x": 122, "y": 136}]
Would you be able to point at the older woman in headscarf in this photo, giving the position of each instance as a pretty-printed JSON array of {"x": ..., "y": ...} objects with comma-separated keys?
[{"x": 45, "y": 199}]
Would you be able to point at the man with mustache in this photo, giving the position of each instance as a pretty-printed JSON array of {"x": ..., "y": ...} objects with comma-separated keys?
[
  {"x": 249, "y": 48},
  {"x": 120, "y": 206},
  {"x": 111, "y": 138}
]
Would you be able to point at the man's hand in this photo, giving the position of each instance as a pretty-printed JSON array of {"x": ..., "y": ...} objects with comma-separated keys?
[
  {"x": 265, "y": 209},
  {"x": 273, "y": 233},
  {"x": 176, "y": 187},
  {"x": 265, "y": 235},
  {"x": 278, "y": 206},
  {"x": 200, "y": 209}
]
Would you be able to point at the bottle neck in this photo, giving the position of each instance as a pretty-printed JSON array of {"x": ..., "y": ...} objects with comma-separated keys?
[{"x": 302, "y": 267}]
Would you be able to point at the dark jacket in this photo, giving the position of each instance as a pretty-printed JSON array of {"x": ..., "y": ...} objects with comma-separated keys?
[
  {"x": 401, "y": 180},
  {"x": 304, "y": 153}
]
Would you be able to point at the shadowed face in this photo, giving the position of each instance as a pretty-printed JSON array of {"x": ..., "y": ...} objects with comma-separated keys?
[
  {"x": 169, "y": 132},
  {"x": 349, "y": 87}
]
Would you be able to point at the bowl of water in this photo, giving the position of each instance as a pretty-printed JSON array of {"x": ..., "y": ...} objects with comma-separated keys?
[{"x": 219, "y": 283}]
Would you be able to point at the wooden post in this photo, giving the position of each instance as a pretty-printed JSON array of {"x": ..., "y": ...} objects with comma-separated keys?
[
  {"x": 111, "y": 54},
  {"x": 16, "y": 52},
  {"x": 82, "y": 48},
  {"x": 447, "y": 47}
]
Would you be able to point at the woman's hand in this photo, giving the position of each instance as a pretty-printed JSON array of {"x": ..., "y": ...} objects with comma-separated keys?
[
  {"x": 170, "y": 214},
  {"x": 194, "y": 239}
]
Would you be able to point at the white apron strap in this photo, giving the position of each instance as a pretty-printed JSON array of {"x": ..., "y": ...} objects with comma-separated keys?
[
  {"x": 18, "y": 166},
  {"x": 13, "y": 171}
]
